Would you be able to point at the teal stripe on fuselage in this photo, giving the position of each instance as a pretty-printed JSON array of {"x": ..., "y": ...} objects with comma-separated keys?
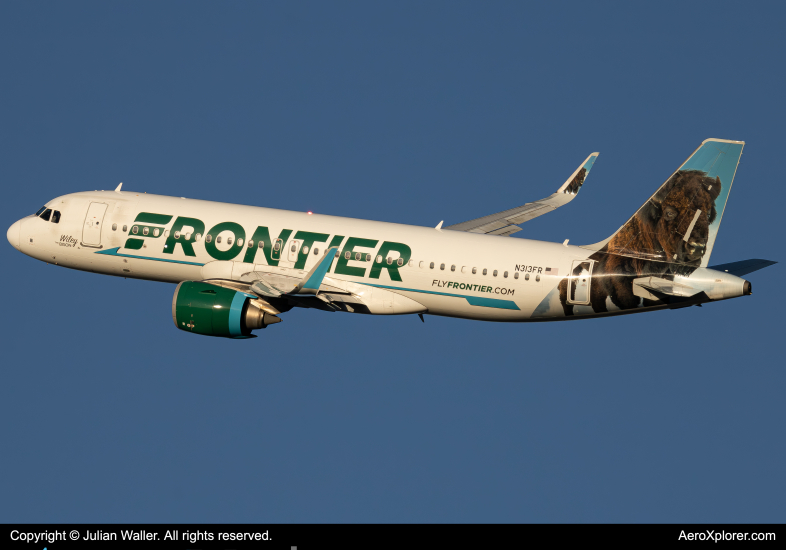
[
  {"x": 479, "y": 301},
  {"x": 114, "y": 252},
  {"x": 473, "y": 300}
]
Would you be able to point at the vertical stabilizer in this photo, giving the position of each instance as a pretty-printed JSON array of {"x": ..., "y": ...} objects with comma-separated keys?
[{"x": 679, "y": 223}]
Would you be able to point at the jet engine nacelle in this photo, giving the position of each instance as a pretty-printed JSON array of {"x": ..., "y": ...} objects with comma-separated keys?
[{"x": 212, "y": 310}]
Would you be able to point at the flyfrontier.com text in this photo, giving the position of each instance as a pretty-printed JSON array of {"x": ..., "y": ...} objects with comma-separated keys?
[{"x": 476, "y": 288}]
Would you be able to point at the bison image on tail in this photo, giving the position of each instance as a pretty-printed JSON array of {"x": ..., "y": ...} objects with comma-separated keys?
[{"x": 667, "y": 236}]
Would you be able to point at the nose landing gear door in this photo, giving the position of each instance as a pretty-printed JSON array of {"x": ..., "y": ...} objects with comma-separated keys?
[
  {"x": 579, "y": 282},
  {"x": 94, "y": 220}
]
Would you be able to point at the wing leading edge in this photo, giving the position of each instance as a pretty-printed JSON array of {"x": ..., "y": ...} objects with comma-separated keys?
[{"x": 506, "y": 222}]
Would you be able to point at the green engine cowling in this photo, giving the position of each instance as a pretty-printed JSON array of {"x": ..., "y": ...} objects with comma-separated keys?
[{"x": 213, "y": 310}]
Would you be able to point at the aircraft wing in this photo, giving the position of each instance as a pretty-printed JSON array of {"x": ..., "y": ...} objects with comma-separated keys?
[
  {"x": 506, "y": 222},
  {"x": 275, "y": 285}
]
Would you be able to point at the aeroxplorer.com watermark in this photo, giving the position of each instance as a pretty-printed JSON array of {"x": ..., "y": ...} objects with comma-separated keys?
[{"x": 718, "y": 536}]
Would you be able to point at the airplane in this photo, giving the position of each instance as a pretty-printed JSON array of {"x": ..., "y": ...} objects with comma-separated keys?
[{"x": 238, "y": 268}]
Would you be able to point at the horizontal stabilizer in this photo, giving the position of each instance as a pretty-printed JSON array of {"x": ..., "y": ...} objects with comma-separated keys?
[
  {"x": 652, "y": 287},
  {"x": 743, "y": 267}
]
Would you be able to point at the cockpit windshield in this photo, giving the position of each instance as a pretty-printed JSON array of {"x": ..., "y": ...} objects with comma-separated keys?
[
  {"x": 46, "y": 215},
  {"x": 40, "y": 210}
]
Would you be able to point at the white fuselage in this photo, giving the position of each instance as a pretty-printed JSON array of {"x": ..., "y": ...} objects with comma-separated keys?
[{"x": 448, "y": 273}]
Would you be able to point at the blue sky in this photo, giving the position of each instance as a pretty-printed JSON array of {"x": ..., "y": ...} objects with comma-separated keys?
[{"x": 405, "y": 112}]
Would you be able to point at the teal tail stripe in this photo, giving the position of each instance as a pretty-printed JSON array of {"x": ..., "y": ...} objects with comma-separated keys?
[
  {"x": 114, "y": 252},
  {"x": 473, "y": 300}
]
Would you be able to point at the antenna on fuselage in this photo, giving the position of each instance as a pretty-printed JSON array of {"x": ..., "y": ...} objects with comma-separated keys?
[{"x": 117, "y": 189}]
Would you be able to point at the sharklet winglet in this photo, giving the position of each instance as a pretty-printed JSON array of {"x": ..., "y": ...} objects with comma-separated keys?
[{"x": 313, "y": 280}]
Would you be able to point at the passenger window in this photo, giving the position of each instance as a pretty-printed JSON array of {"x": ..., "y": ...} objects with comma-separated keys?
[
  {"x": 261, "y": 244},
  {"x": 197, "y": 237},
  {"x": 40, "y": 210},
  {"x": 277, "y": 246},
  {"x": 304, "y": 250},
  {"x": 390, "y": 260},
  {"x": 368, "y": 257},
  {"x": 47, "y": 214},
  {"x": 166, "y": 233},
  {"x": 146, "y": 230},
  {"x": 347, "y": 255},
  {"x": 229, "y": 240},
  {"x": 463, "y": 269},
  {"x": 114, "y": 227},
  {"x": 505, "y": 274},
  {"x": 516, "y": 275},
  {"x": 485, "y": 271},
  {"x": 431, "y": 265},
  {"x": 177, "y": 234},
  {"x": 316, "y": 252},
  {"x": 250, "y": 244},
  {"x": 155, "y": 232},
  {"x": 537, "y": 278},
  {"x": 218, "y": 239},
  {"x": 526, "y": 276},
  {"x": 239, "y": 241},
  {"x": 188, "y": 236},
  {"x": 357, "y": 256},
  {"x": 442, "y": 267},
  {"x": 293, "y": 248},
  {"x": 400, "y": 262},
  {"x": 135, "y": 230},
  {"x": 421, "y": 265},
  {"x": 379, "y": 258},
  {"x": 209, "y": 238},
  {"x": 125, "y": 227},
  {"x": 453, "y": 268},
  {"x": 56, "y": 216},
  {"x": 495, "y": 273},
  {"x": 474, "y": 270}
]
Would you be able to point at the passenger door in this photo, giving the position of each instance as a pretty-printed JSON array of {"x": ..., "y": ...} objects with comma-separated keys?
[
  {"x": 579, "y": 282},
  {"x": 94, "y": 220}
]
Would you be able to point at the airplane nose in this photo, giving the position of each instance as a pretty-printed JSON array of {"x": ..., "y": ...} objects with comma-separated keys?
[{"x": 13, "y": 234}]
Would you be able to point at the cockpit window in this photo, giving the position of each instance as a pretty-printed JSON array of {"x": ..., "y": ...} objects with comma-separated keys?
[
  {"x": 40, "y": 210},
  {"x": 46, "y": 215},
  {"x": 56, "y": 216}
]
